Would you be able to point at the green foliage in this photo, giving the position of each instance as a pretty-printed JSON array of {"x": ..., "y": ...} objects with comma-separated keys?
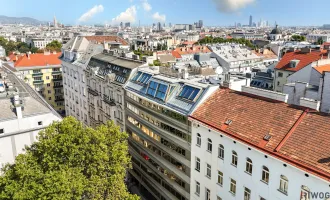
[
  {"x": 11, "y": 46},
  {"x": 157, "y": 63},
  {"x": 34, "y": 49},
  {"x": 320, "y": 41},
  {"x": 212, "y": 40},
  {"x": 70, "y": 161},
  {"x": 54, "y": 46},
  {"x": 298, "y": 38}
]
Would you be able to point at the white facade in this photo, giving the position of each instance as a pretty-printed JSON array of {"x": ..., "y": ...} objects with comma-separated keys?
[{"x": 259, "y": 189}]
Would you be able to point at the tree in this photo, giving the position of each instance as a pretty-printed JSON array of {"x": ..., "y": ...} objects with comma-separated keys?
[
  {"x": 320, "y": 41},
  {"x": 157, "y": 63},
  {"x": 298, "y": 38},
  {"x": 54, "y": 46},
  {"x": 34, "y": 49},
  {"x": 70, "y": 161}
]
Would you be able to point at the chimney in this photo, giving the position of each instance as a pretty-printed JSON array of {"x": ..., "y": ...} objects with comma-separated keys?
[
  {"x": 18, "y": 108},
  {"x": 28, "y": 55},
  {"x": 105, "y": 45}
]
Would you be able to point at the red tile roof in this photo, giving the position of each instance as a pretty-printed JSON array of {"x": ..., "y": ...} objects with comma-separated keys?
[
  {"x": 304, "y": 59},
  {"x": 38, "y": 59},
  {"x": 289, "y": 128},
  {"x": 176, "y": 54},
  {"x": 192, "y": 50},
  {"x": 323, "y": 68},
  {"x": 107, "y": 38}
]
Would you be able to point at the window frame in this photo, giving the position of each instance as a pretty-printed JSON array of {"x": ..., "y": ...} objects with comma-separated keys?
[
  {"x": 209, "y": 145},
  {"x": 197, "y": 188},
  {"x": 199, "y": 140},
  {"x": 247, "y": 193},
  {"x": 221, "y": 151},
  {"x": 197, "y": 164},
  {"x": 249, "y": 166},
  {"x": 208, "y": 170},
  {"x": 234, "y": 158},
  {"x": 265, "y": 174},
  {"x": 284, "y": 184},
  {"x": 220, "y": 178},
  {"x": 232, "y": 188}
]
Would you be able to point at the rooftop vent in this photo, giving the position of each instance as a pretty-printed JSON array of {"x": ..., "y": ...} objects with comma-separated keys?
[
  {"x": 267, "y": 137},
  {"x": 228, "y": 122}
]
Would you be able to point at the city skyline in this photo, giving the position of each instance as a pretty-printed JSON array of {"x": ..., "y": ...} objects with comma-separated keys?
[{"x": 212, "y": 12}]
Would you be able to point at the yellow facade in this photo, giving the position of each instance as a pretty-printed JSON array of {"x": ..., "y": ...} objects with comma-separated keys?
[{"x": 48, "y": 82}]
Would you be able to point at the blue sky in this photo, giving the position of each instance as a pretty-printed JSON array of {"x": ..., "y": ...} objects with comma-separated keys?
[{"x": 213, "y": 12}]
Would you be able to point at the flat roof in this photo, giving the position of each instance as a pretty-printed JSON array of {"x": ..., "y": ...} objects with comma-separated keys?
[{"x": 120, "y": 61}]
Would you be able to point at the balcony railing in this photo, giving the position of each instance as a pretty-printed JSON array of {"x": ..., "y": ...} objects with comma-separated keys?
[
  {"x": 56, "y": 72},
  {"x": 59, "y": 99},
  {"x": 57, "y": 86},
  {"x": 37, "y": 74},
  {"x": 38, "y": 82},
  {"x": 93, "y": 92},
  {"x": 108, "y": 100},
  {"x": 57, "y": 78}
]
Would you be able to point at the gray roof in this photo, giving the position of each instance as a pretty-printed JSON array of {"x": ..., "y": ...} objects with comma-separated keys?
[{"x": 119, "y": 61}]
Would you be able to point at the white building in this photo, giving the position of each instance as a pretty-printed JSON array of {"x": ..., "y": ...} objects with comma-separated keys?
[
  {"x": 23, "y": 114},
  {"x": 315, "y": 37},
  {"x": 2, "y": 52},
  {"x": 235, "y": 58},
  {"x": 41, "y": 43},
  {"x": 240, "y": 152},
  {"x": 276, "y": 34}
]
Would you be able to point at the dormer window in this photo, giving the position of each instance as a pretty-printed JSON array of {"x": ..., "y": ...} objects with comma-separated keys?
[
  {"x": 189, "y": 92},
  {"x": 157, "y": 90},
  {"x": 294, "y": 63}
]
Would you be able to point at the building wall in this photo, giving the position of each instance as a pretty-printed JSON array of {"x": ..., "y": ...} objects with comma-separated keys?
[
  {"x": 280, "y": 81},
  {"x": 21, "y": 132},
  {"x": 302, "y": 75},
  {"x": 47, "y": 80},
  {"x": 296, "y": 177}
]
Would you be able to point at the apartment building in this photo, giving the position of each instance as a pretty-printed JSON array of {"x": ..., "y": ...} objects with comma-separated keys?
[
  {"x": 235, "y": 57},
  {"x": 2, "y": 52},
  {"x": 41, "y": 42},
  {"x": 76, "y": 56},
  {"x": 239, "y": 152},
  {"x": 158, "y": 102},
  {"x": 23, "y": 114},
  {"x": 43, "y": 71},
  {"x": 292, "y": 62}
]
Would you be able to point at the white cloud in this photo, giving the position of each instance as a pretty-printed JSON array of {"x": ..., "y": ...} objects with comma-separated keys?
[
  {"x": 229, "y": 6},
  {"x": 129, "y": 15},
  {"x": 159, "y": 18},
  {"x": 146, "y": 5},
  {"x": 89, "y": 14}
]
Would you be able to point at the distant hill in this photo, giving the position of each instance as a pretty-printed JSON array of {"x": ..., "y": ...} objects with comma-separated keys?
[{"x": 19, "y": 20}]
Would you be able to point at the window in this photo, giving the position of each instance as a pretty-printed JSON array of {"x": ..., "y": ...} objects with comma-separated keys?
[
  {"x": 189, "y": 92},
  {"x": 247, "y": 194},
  {"x": 137, "y": 75},
  {"x": 219, "y": 198},
  {"x": 221, "y": 153},
  {"x": 265, "y": 174},
  {"x": 49, "y": 91},
  {"x": 304, "y": 194},
  {"x": 220, "y": 178},
  {"x": 47, "y": 77},
  {"x": 40, "y": 123},
  {"x": 152, "y": 88},
  {"x": 280, "y": 74},
  {"x": 278, "y": 83},
  {"x": 2, "y": 131},
  {"x": 198, "y": 164},
  {"x": 233, "y": 186},
  {"x": 48, "y": 84},
  {"x": 207, "y": 194},
  {"x": 261, "y": 198},
  {"x": 209, "y": 145},
  {"x": 284, "y": 183},
  {"x": 208, "y": 170},
  {"x": 198, "y": 188},
  {"x": 199, "y": 140},
  {"x": 234, "y": 159},
  {"x": 248, "y": 167},
  {"x": 49, "y": 98},
  {"x": 161, "y": 92}
]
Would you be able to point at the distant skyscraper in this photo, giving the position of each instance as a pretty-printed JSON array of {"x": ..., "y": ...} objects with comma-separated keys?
[
  {"x": 250, "y": 22},
  {"x": 55, "y": 22},
  {"x": 200, "y": 23},
  {"x": 121, "y": 24},
  {"x": 127, "y": 24},
  {"x": 170, "y": 25},
  {"x": 159, "y": 26}
]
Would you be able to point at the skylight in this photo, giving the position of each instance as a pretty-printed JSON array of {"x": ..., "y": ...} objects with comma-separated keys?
[
  {"x": 136, "y": 76},
  {"x": 189, "y": 92},
  {"x": 120, "y": 79},
  {"x": 152, "y": 88},
  {"x": 144, "y": 78},
  {"x": 157, "y": 90},
  {"x": 161, "y": 92}
]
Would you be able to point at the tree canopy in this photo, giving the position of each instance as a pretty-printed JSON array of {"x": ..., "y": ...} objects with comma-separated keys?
[
  {"x": 298, "y": 38},
  {"x": 54, "y": 46},
  {"x": 320, "y": 41},
  {"x": 70, "y": 161},
  {"x": 214, "y": 40},
  {"x": 11, "y": 46}
]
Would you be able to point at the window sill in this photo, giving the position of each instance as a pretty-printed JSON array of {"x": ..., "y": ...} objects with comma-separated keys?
[
  {"x": 264, "y": 182},
  {"x": 233, "y": 165},
  {"x": 232, "y": 193},
  {"x": 209, "y": 177},
  {"x": 198, "y": 145},
  {"x": 248, "y": 173},
  {"x": 221, "y": 185},
  {"x": 197, "y": 170},
  {"x": 197, "y": 194},
  {"x": 220, "y": 158},
  {"x": 209, "y": 151},
  {"x": 285, "y": 193}
]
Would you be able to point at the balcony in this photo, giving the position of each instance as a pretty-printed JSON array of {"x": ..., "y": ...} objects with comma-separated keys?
[
  {"x": 56, "y": 72},
  {"x": 108, "y": 100},
  {"x": 37, "y": 82},
  {"x": 59, "y": 99},
  {"x": 57, "y": 86},
  {"x": 37, "y": 74},
  {"x": 93, "y": 92}
]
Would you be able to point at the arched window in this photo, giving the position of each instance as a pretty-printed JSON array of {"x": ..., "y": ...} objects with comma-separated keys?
[
  {"x": 304, "y": 194},
  {"x": 234, "y": 158},
  {"x": 221, "y": 151},
  {"x": 209, "y": 145},
  {"x": 284, "y": 184},
  {"x": 248, "y": 167},
  {"x": 265, "y": 174},
  {"x": 199, "y": 140}
]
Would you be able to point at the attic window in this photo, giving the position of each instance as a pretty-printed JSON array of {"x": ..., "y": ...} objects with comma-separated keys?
[
  {"x": 40, "y": 123},
  {"x": 294, "y": 63},
  {"x": 267, "y": 137},
  {"x": 2, "y": 131},
  {"x": 228, "y": 122}
]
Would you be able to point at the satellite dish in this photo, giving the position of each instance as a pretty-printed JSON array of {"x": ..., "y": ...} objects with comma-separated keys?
[{"x": 218, "y": 70}]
